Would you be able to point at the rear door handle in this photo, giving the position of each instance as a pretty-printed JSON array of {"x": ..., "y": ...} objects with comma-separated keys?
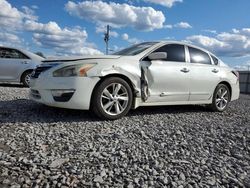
[
  {"x": 24, "y": 62},
  {"x": 215, "y": 70},
  {"x": 185, "y": 70}
]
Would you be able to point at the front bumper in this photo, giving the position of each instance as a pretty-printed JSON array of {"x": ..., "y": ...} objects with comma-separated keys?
[{"x": 43, "y": 90}]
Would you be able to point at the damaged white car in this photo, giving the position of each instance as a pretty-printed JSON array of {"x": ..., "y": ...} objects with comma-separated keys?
[{"x": 146, "y": 74}]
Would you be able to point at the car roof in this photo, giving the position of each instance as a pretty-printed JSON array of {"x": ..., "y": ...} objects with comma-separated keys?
[
  {"x": 26, "y": 52},
  {"x": 183, "y": 43},
  {"x": 161, "y": 43},
  {"x": 9, "y": 47}
]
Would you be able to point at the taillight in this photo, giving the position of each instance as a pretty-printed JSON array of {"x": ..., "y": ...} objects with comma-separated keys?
[{"x": 236, "y": 74}]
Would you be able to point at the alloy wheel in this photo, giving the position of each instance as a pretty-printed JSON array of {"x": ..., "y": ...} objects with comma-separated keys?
[
  {"x": 222, "y": 98},
  {"x": 27, "y": 79},
  {"x": 114, "y": 99}
]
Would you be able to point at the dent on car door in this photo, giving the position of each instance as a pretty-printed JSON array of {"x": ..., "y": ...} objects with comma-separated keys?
[
  {"x": 164, "y": 80},
  {"x": 144, "y": 81},
  {"x": 204, "y": 75}
]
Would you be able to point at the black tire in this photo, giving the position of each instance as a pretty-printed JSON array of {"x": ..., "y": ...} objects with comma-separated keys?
[
  {"x": 24, "y": 78},
  {"x": 219, "y": 103},
  {"x": 108, "y": 105}
]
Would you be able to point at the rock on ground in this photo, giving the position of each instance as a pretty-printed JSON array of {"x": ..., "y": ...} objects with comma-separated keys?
[{"x": 171, "y": 146}]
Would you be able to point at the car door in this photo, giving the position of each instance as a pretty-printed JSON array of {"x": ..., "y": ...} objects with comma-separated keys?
[
  {"x": 167, "y": 79},
  {"x": 12, "y": 64},
  {"x": 204, "y": 75}
]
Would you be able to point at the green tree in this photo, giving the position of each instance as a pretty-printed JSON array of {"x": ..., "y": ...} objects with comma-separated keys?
[{"x": 40, "y": 54}]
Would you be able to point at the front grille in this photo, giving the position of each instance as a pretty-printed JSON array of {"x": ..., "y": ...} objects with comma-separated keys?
[{"x": 39, "y": 70}]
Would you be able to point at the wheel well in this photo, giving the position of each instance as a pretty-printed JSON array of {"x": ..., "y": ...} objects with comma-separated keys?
[
  {"x": 29, "y": 70},
  {"x": 114, "y": 75},
  {"x": 229, "y": 87}
]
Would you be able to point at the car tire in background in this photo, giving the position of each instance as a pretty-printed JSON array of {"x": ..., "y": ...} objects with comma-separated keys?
[
  {"x": 25, "y": 79},
  {"x": 221, "y": 98},
  {"x": 112, "y": 99}
]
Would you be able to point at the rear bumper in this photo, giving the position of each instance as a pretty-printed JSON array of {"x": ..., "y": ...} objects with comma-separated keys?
[{"x": 43, "y": 91}]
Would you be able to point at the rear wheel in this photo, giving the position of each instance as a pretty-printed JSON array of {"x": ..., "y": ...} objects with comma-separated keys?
[
  {"x": 221, "y": 98},
  {"x": 112, "y": 99},
  {"x": 26, "y": 78}
]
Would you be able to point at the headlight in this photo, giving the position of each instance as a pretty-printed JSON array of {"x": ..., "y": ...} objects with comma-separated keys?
[{"x": 73, "y": 70}]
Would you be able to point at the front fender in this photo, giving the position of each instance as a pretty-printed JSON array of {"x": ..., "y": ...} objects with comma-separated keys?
[
  {"x": 29, "y": 67},
  {"x": 133, "y": 75}
]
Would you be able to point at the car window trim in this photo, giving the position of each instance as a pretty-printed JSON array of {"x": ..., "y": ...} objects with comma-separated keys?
[
  {"x": 18, "y": 51},
  {"x": 187, "y": 54},
  {"x": 27, "y": 57},
  {"x": 142, "y": 59},
  {"x": 202, "y": 51},
  {"x": 211, "y": 55}
]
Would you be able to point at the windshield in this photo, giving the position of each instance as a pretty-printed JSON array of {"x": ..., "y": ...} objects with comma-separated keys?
[{"x": 136, "y": 49}]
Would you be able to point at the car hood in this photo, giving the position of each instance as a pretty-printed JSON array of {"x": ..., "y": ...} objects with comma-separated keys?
[{"x": 70, "y": 59}]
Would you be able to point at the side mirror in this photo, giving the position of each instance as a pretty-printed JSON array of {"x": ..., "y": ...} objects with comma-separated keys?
[{"x": 157, "y": 56}]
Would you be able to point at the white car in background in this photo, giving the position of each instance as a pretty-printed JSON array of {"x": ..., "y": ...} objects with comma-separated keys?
[
  {"x": 146, "y": 74},
  {"x": 16, "y": 65}
]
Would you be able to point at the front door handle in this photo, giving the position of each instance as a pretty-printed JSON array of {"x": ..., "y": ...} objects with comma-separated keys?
[
  {"x": 185, "y": 70},
  {"x": 215, "y": 70}
]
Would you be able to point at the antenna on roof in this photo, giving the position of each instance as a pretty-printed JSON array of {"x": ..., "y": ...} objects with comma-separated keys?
[{"x": 106, "y": 39}]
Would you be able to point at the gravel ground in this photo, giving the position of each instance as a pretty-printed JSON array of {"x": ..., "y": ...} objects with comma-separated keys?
[{"x": 175, "y": 146}]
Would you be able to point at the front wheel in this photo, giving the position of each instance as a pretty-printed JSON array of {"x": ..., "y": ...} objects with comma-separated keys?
[
  {"x": 221, "y": 98},
  {"x": 112, "y": 99},
  {"x": 26, "y": 78}
]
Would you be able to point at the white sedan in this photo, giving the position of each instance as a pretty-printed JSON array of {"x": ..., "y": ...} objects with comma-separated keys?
[
  {"x": 16, "y": 65},
  {"x": 146, "y": 74}
]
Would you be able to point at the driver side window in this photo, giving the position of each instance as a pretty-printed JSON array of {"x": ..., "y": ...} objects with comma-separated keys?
[{"x": 175, "y": 52}]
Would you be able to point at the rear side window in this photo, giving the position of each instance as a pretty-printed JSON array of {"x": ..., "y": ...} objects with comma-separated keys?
[
  {"x": 175, "y": 52},
  {"x": 216, "y": 61},
  {"x": 12, "y": 54},
  {"x": 199, "y": 56}
]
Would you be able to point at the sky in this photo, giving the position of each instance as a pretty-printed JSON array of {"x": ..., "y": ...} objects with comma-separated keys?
[{"x": 76, "y": 27}]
